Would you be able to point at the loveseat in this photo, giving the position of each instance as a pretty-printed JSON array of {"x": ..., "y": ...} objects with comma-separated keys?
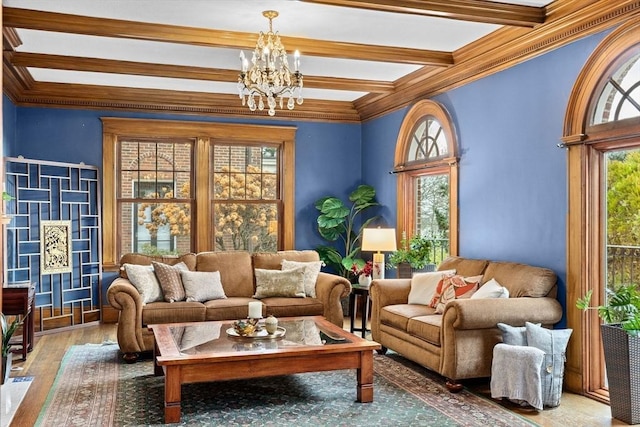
[
  {"x": 237, "y": 271},
  {"x": 458, "y": 343}
]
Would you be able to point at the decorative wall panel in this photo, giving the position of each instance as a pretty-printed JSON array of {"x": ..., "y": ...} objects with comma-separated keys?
[{"x": 54, "y": 239}]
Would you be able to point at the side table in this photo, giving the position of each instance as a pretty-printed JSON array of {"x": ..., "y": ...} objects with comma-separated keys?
[
  {"x": 361, "y": 293},
  {"x": 19, "y": 300}
]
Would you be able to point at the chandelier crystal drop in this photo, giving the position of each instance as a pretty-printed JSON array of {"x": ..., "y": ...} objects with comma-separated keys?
[{"x": 269, "y": 76}]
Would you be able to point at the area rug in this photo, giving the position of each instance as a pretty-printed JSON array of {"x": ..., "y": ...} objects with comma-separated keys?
[{"x": 95, "y": 388}]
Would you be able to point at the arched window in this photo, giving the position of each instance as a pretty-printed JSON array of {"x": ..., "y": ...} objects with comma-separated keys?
[
  {"x": 602, "y": 135},
  {"x": 426, "y": 166}
]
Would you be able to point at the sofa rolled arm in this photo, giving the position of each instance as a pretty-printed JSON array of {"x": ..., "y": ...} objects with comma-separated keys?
[
  {"x": 123, "y": 296},
  {"x": 488, "y": 312},
  {"x": 330, "y": 289},
  {"x": 384, "y": 292}
]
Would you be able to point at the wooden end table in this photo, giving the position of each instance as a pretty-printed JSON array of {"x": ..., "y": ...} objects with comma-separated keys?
[
  {"x": 19, "y": 300},
  {"x": 361, "y": 293}
]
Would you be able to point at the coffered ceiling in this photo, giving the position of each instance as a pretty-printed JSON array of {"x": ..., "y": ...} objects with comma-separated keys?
[{"x": 360, "y": 58}]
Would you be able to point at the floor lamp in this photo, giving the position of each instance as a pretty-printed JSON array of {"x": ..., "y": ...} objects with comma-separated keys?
[{"x": 378, "y": 240}]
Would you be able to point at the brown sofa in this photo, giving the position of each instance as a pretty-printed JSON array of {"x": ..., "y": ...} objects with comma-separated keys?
[
  {"x": 458, "y": 344},
  {"x": 237, "y": 277}
]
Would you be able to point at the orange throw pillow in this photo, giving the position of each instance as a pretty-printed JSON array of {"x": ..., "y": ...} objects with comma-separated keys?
[{"x": 453, "y": 287}]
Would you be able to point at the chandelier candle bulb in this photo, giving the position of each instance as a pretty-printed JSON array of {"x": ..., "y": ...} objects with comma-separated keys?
[{"x": 296, "y": 60}]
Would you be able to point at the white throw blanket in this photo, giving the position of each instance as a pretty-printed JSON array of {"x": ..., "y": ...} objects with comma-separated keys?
[{"x": 515, "y": 374}]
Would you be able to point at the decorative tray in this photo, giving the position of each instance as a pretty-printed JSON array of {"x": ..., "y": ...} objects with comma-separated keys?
[{"x": 262, "y": 334}]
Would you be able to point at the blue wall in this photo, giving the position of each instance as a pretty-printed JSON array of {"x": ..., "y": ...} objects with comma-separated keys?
[
  {"x": 513, "y": 178},
  {"x": 327, "y": 154}
]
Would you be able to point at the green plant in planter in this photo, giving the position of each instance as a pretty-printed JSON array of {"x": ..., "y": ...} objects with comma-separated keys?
[
  {"x": 623, "y": 307},
  {"x": 416, "y": 252},
  {"x": 337, "y": 222},
  {"x": 7, "y": 332}
]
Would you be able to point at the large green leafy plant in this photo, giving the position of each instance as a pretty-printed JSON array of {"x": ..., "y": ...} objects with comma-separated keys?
[
  {"x": 338, "y": 223},
  {"x": 623, "y": 307}
]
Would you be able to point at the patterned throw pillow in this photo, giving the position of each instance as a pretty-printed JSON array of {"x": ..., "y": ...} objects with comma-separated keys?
[
  {"x": 311, "y": 272},
  {"x": 170, "y": 280},
  {"x": 202, "y": 286},
  {"x": 280, "y": 283},
  {"x": 453, "y": 287},
  {"x": 145, "y": 281},
  {"x": 423, "y": 286}
]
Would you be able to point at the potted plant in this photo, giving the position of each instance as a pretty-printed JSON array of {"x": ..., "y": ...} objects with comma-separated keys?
[
  {"x": 5, "y": 218},
  {"x": 414, "y": 254},
  {"x": 621, "y": 343},
  {"x": 337, "y": 222},
  {"x": 7, "y": 332}
]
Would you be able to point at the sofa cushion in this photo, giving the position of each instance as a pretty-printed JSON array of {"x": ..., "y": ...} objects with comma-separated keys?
[
  {"x": 236, "y": 273},
  {"x": 423, "y": 286},
  {"x": 311, "y": 272},
  {"x": 142, "y": 259},
  {"x": 172, "y": 312},
  {"x": 202, "y": 285},
  {"x": 279, "y": 283},
  {"x": 231, "y": 308},
  {"x": 426, "y": 328},
  {"x": 491, "y": 289},
  {"x": 289, "y": 307},
  {"x": 273, "y": 260},
  {"x": 464, "y": 266},
  {"x": 520, "y": 279},
  {"x": 170, "y": 280},
  {"x": 145, "y": 281},
  {"x": 398, "y": 315}
]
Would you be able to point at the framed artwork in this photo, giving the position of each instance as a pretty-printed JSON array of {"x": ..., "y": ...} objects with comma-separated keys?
[{"x": 55, "y": 247}]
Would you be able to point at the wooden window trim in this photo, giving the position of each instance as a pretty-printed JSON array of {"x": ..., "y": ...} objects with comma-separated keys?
[
  {"x": 407, "y": 171},
  {"x": 114, "y": 128},
  {"x": 586, "y": 146}
]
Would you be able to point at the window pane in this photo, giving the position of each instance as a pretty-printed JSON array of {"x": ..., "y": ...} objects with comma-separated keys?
[
  {"x": 155, "y": 228},
  {"x": 620, "y": 98},
  {"x": 245, "y": 198},
  {"x": 432, "y": 212},
  {"x": 252, "y": 227},
  {"x": 160, "y": 173},
  {"x": 428, "y": 140}
]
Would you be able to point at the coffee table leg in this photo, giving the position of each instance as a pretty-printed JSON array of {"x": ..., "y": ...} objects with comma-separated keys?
[
  {"x": 365, "y": 377},
  {"x": 172, "y": 394}
]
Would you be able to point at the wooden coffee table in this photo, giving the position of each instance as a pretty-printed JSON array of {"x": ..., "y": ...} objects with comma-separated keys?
[{"x": 204, "y": 352}]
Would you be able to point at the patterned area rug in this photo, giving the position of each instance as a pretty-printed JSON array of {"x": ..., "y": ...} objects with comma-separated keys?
[{"x": 95, "y": 388}]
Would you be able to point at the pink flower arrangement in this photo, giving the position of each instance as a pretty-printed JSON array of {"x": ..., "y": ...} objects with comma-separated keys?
[{"x": 365, "y": 271}]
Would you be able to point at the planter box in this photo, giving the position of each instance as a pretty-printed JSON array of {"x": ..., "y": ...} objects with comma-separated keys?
[
  {"x": 622, "y": 358},
  {"x": 406, "y": 272}
]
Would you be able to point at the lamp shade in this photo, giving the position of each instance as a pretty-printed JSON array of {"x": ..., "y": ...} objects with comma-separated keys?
[{"x": 379, "y": 239}]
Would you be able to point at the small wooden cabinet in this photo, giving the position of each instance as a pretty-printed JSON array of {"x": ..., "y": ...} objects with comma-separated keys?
[{"x": 19, "y": 300}]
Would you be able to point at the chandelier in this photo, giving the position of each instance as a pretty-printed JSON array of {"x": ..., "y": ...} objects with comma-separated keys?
[{"x": 269, "y": 76}]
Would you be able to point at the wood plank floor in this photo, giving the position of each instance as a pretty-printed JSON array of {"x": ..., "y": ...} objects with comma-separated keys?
[{"x": 43, "y": 363}]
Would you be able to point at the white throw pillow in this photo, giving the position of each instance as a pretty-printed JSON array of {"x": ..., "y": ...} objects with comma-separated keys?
[
  {"x": 423, "y": 286},
  {"x": 491, "y": 289},
  {"x": 145, "y": 281},
  {"x": 202, "y": 286},
  {"x": 311, "y": 272}
]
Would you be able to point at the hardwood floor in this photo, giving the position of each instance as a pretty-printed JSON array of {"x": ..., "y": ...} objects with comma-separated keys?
[{"x": 43, "y": 363}]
